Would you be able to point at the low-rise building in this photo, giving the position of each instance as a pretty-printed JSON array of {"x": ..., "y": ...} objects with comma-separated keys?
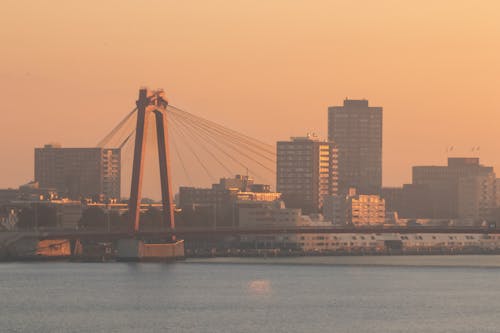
[
  {"x": 355, "y": 209},
  {"x": 219, "y": 205},
  {"x": 270, "y": 216},
  {"x": 8, "y": 195}
]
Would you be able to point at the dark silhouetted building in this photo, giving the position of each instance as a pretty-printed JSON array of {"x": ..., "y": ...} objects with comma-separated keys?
[
  {"x": 463, "y": 189},
  {"x": 393, "y": 197},
  {"x": 356, "y": 129},
  {"x": 79, "y": 172},
  {"x": 8, "y": 195}
]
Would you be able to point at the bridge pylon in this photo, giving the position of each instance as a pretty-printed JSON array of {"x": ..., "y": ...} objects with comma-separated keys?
[{"x": 151, "y": 102}]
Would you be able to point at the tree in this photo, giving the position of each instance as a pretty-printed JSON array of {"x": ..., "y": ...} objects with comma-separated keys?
[
  {"x": 47, "y": 216},
  {"x": 123, "y": 224},
  {"x": 151, "y": 219},
  {"x": 41, "y": 216},
  {"x": 147, "y": 201},
  {"x": 117, "y": 221},
  {"x": 93, "y": 218},
  {"x": 26, "y": 218}
]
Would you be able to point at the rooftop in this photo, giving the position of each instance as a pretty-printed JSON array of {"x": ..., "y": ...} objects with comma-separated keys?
[{"x": 356, "y": 102}]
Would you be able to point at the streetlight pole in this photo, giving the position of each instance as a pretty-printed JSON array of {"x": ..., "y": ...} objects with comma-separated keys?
[{"x": 35, "y": 212}]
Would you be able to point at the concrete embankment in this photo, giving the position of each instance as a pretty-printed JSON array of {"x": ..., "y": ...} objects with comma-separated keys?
[
  {"x": 208, "y": 253},
  {"x": 7, "y": 239},
  {"x": 19, "y": 246},
  {"x": 27, "y": 246}
]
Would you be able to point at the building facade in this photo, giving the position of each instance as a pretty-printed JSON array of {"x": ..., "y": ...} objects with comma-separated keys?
[
  {"x": 463, "y": 189},
  {"x": 220, "y": 204},
  {"x": 393, "y": 197},
  {"x": 356, "y": 129},
  {"x": 365, "y": 210},
  {"x": 79, "y": 172},
  {"x": 355, "y": 209},
  {"x": 270, "y": 216},
  {"x": 306, "y": 172}
]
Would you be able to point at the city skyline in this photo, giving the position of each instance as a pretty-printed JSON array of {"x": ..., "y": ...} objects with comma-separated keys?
[
  {"x": 249, "y": 166},
  {"x": 153, "y": 190},
  {"x": 441, "y": 75}
]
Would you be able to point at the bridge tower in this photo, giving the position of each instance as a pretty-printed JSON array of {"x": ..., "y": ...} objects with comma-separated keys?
[{"x": 151, "y": 102}]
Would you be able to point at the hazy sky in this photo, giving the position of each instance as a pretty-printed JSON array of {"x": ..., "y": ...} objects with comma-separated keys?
[{"x": 69, "y": 70}]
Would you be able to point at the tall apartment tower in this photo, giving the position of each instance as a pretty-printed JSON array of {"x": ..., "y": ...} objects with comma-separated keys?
[
  {"x": 356, "y": 129},
  {"x": 79, "y": 172},
  {"x": 306, "y": 172}
]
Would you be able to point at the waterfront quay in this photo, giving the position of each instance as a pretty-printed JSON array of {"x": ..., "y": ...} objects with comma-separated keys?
[{"x": 200, "y": 242}]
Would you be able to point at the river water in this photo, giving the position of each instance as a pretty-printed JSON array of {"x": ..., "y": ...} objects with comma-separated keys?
[{"x": 314, "y": 294}]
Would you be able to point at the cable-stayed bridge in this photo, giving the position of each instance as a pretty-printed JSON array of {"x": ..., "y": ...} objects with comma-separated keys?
[
  {"x": 197, "y": 145},
  {"x": 187, "y": 146},
  {"x": 202, "y": 151}
]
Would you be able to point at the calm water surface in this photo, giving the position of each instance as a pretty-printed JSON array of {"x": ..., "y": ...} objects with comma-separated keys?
[{"x": 319, "y": 294}]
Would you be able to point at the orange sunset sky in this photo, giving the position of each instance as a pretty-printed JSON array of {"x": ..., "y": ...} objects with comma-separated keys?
[{"x": 70, "y": 70}]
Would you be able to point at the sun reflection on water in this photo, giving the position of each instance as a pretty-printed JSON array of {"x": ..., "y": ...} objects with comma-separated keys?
[{"x": 259, "y": 287}]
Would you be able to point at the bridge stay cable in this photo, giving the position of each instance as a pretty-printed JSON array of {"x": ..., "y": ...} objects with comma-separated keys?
[
  {"x": 124, "y": 142},
  {"x": 205, "y": 134},
  {"x": 233, "y": 138},
  {"x": 126, "y": 154},
  {"x": 235, "y": 156},
  {"x": 179, "y": 156},
  {"x": 213, "y": 141},
  {"x": 193, "y": 152},
  {"x": 176, "y": 133},
  {"x": 202, "y": 142},
  {"x": 235, "y": 148},
  {"x": 115, "y": 130},
  {"x": 232, "y": 146},
  {"x": 230, "y": 140},
  {"x": 121, "y": 137},
  {"x": 228, "y": 133},
  {"x": 265, "y": 146}
]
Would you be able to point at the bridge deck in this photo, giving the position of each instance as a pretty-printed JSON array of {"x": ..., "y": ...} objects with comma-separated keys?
[{"x": 210, "y": 232}]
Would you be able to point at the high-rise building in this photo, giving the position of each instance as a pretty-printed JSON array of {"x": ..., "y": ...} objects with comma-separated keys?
[
  {"x": 393, "y": 197},
  {"x": 463, "y": 189},
  {"x": 79, "y": 172},
  {"x": 306, "y": 172},
  {"x": 356, "y": 129}
]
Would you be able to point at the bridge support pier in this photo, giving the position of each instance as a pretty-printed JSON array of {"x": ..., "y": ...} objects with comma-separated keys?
[
  {"x": 151, "y": 102},
  {"x": 138, "y": 250},
  {"x": 135, "y": 249}
]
